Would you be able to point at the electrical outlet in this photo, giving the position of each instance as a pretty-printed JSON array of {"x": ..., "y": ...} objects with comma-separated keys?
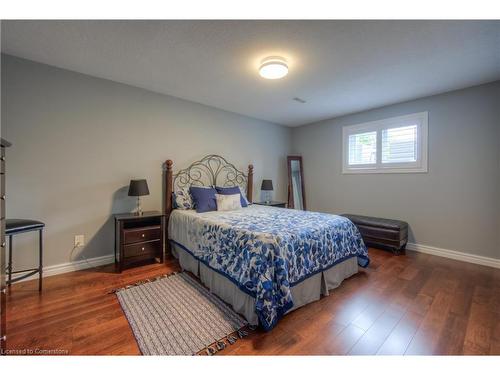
[{"x": 79, "y": 240}]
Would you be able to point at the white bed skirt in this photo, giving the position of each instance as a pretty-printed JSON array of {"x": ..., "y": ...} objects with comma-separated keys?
[{"x": 306, "y": 291}]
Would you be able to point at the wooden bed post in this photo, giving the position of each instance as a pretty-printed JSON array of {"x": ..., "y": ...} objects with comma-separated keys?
[
  {"x": 168, "y": 202},
  {"x": 250, "y": 183}
]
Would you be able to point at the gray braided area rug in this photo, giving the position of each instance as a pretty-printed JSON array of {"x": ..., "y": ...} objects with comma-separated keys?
[{"x": 175, "y": 315}]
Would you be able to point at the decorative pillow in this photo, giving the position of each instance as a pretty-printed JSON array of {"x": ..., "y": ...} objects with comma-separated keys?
[
  {"x": 204, "y": 198},
  {"x": 233, "y": 190},
  {"x": 183, "y": 200},
  {"x": 244, "y": 195},
  {"x": 228, "y": 202}
]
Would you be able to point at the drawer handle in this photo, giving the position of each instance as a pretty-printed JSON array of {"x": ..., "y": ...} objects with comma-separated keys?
[
  {"x": 143, "y": 235},
  {"x": 3, "y": 244},
  {"x": 142, "y": 249},
  {"x": 2, "y": 158},
  {"x": 3, "y": 197},
  {"x": 4, "y": 291},
  {"x": 3, "y": 338}
]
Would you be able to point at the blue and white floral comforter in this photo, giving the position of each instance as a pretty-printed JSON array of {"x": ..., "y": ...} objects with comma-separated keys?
[{"x": 267, "y": 250}]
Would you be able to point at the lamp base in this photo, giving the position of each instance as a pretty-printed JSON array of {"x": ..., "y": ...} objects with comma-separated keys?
[
  {"x": 268, "y": 196},
  {"x": 138, "y": 210}
]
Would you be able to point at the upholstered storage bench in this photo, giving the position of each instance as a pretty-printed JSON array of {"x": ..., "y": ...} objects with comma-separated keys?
[{"x": 381, "y": 233}]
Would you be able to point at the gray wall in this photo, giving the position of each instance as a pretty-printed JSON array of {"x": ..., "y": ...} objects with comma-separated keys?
[
  {"x": 455, "y": 206},
  {"x": 78, "y": 140}
]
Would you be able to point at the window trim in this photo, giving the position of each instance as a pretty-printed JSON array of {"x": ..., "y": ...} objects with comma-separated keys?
[{"x": 420, "y": 166}]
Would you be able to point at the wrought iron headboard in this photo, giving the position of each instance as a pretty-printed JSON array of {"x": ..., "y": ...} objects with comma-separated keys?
[{"x": 212, "y": 170}]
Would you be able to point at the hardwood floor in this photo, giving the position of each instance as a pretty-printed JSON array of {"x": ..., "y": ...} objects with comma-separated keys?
[{"x": 410, "y": 304}]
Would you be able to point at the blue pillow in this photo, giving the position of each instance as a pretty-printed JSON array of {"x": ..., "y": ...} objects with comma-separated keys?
[
  {"x": 230, "y": 191},
  {"x": 204, "y": 198}
]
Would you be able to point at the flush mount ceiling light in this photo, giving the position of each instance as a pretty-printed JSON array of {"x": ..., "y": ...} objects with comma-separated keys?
[{"x": 273, "y": 68}]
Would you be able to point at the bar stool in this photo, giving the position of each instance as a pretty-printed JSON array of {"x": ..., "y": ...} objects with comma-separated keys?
[{"x": 14, "y": 227}]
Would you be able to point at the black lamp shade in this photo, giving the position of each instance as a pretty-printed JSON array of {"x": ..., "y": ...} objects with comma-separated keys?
[
  {"x": 267, "y": 185},
  {"x": 138, "y": 188}
]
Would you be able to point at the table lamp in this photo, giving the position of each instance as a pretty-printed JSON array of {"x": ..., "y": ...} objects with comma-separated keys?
[
  {"x": 267, "y": 186},
  {"x": 137, "y": 189}
]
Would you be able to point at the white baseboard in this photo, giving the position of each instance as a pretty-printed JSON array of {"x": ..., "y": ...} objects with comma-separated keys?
[
  {"x": 71, "y": 266},
  {"x": 452, "y": 254}
]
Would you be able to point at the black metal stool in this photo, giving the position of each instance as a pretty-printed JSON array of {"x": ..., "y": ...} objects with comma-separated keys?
[{"x": 17, "y": 226}]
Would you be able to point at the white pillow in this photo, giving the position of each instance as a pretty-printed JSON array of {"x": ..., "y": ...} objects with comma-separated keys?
[{"x": 228, "y": 202}]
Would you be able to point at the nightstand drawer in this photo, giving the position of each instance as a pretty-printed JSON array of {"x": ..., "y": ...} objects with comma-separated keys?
[
  {"x": 141, "y": 234},
  {"x": 138, "y": 238},
  {"x": 142, "y": 248}
]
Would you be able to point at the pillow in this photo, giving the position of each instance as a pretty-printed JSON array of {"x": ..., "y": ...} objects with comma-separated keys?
[
  {"x": 183, "y": 200},
  {"x": 204, "y": 198},
  {"x": 244, "y": 195},
  {"x": 228, "y": 202},
  {"x": 232, "y": 190}
]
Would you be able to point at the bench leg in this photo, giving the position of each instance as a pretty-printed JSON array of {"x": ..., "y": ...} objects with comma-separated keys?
[
  {"x": 40, "y": 261},
  {"x": 399, "y": 251}
]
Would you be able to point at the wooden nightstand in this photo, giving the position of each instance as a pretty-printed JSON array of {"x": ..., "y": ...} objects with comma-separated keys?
[
  {"x": 138, "y": 239},
  {"x": 272, "y": 203}
]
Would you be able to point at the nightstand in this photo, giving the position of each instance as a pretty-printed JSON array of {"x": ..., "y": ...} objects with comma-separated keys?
[
  {"x": 138, "y": 239},
  {"x": 272, "y": 203}
]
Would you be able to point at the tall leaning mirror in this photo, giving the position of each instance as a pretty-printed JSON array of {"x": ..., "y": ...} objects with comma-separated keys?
[{"x": 296, "y": 194}]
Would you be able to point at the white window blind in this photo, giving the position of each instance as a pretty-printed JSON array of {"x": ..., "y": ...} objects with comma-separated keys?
[
  {"x": 394, "y": 145},
  {"x": 399, "y": 145},
  {"x": 363, "y": 148}
]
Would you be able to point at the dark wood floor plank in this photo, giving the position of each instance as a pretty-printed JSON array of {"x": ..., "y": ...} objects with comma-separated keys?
[
  {"x": 427, "y": 336},
  {"x": 495, "y": 339},
  {"x": 452, "y": 337},
  {"x": 409, "y": 273},
  {"x": 398, "y": 340},
  {"x": 345, "y": 340},
  {"x": 369, "y": 316},
  {"x": 376, "y": 335},
  {"x": 413, "y": 304},
  {"x": 481, "y": 323}
]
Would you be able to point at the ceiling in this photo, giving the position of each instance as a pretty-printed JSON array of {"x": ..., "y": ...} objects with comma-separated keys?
[{"x": 337, "y": 67}]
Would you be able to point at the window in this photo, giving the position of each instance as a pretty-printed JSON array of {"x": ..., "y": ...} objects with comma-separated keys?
[
  {"x": 363, "y": 148},
  {"x": 394, "y": 145}
]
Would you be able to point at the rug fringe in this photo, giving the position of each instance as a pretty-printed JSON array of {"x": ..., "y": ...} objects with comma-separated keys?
[
  {"x": 145, "y": 281},
  {"x": 226, "y": 341}
]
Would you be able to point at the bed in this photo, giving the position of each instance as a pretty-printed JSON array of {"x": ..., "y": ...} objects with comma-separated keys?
[{"x": 263, "y": 261}]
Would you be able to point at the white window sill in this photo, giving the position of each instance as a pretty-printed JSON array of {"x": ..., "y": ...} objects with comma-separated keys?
[{"x": 384, "y": 170}]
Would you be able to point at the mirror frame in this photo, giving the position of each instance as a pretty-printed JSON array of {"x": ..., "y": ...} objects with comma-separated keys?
[{"x": 290, "y": 196}]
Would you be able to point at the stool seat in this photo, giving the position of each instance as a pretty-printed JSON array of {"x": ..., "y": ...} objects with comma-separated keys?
[{"x": 13, "y": 226}]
